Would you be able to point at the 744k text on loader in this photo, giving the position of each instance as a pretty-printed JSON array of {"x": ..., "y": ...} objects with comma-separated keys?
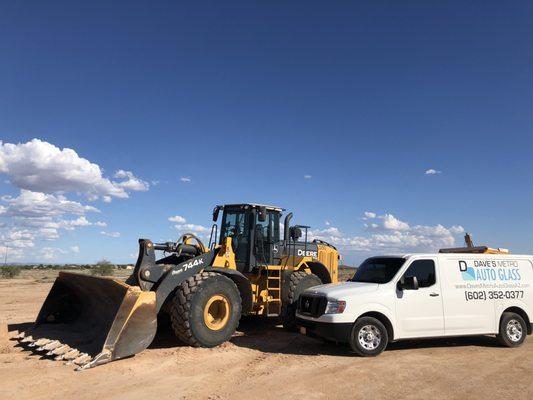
[{"x": 89, "y": 321}]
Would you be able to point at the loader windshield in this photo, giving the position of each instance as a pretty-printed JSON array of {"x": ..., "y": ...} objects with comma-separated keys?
[{"x": 378, "y": 269}]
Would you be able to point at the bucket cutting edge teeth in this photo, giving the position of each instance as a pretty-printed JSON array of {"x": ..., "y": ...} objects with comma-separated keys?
[
  {"x": 27, "y": 339},
  {"x": 71, "y": 355},
  {"x": 77, "y": 359},
  {"x": 83, "y": 359},
  {"x": 54, "y": 344},
  {"x": 40, "y": 342},
  {"x": 85, "y": 366},
  {"x": 60, "y": 350}
]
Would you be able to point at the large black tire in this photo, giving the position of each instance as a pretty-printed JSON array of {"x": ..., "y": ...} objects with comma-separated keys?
[
  {"x": 205, "y": 310},
  {"x": 513, "y": 330},
  {"x": 369, "y": 337},
  {"x": 299, "y": 281}
]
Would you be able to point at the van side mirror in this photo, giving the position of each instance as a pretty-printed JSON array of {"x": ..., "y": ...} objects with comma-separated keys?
[
  {"x": 262, "y": 214},
  {"x": 408, "y": 283}
]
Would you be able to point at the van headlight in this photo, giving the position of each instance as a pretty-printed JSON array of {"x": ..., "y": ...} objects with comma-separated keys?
[{"x": 335, "y": 307}]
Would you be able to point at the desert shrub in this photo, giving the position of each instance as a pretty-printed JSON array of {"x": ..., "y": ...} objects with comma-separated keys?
[
  {"x": 103, "y": 268},
  {"x": 9, "y": 271}
]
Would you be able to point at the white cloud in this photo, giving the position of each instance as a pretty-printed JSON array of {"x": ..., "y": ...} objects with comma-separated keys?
[
  {"x": 369, "y": 215},
  {"x": 75, "y": 249},
  {"x": 327, "y": 223},
  {"x": 49, "y": 253},
  {"x": 130, "y": 182},
  {"x": 389, "y": 234},
  {"x": 111, "y": 234},
  {"x": 40, "y": 166},
  {"x": 34, "y": 204},
  {"x": 45, "y": 173},
  {"x": 390, "y": 222},
  {"x": 155, "y": 182},
  {"x": 34, "y": 216},
  {"x": 177, "y": 218},
  {"x": 44, "y": 213},
  {"x": 11, "y": 253},
  {"x": 185, "y": 179},
  {"x": 19, "y": 238},
  {"x": 384, "y": 222},
  {"x": 457, "y": 229},
  {"x": 307, "y": 176},
  {"x": 183, "y": 228},
  {"x": 69, "y": 225},
  {"x": 432, "y": 171},
  {"x": 48, "y": 233}
]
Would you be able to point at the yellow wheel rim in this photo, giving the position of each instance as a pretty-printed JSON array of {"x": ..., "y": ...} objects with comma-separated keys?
[{"x": 216, "y": 312}]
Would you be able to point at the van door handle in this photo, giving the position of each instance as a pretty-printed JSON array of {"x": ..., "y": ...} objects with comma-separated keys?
[{"x": 434, "y": 294}]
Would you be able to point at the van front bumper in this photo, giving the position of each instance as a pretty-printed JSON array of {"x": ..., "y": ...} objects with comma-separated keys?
[{"x": 338, "y": 332}]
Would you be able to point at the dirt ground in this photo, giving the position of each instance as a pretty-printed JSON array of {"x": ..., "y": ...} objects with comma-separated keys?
[{"x": 261, "y": 361}]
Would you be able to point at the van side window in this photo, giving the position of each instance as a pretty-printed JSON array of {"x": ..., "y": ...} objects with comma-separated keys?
[{"x": 424, "y": 270}]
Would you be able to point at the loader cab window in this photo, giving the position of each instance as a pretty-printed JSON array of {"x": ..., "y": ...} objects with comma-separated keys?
[
  {"x": 265, "y": 235},
  {"x": 236, "y": 226},
  {"x": 269, "y": 228}
]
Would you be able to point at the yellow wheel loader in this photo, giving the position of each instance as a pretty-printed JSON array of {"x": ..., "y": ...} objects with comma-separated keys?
[{"x": 250, "y": 270}]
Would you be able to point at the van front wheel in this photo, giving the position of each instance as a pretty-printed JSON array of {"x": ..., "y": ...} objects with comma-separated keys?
[
  {"x": 369, "y": 337},
  {"x": 513, "y": 330}
]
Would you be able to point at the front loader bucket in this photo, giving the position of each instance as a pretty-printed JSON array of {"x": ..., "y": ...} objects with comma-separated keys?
[{"x": 90, "y": 320}]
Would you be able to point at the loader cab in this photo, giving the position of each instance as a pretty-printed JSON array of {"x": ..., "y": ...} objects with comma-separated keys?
[{"x": 254, "y": 230}]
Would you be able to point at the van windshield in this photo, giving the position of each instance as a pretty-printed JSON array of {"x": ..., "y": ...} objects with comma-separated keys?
[{"x": 378, "y": 270}]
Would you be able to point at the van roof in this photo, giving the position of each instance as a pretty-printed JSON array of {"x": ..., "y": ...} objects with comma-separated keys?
[{"x": 475, "y": 255}]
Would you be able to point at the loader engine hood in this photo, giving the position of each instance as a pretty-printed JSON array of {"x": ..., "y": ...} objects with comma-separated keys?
[{"x": 342, "y": 289}]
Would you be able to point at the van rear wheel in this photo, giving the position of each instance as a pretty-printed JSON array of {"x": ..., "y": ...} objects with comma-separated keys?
[
  {"x": 369, "y": 337},
  {"x": 512, "y": 331}
]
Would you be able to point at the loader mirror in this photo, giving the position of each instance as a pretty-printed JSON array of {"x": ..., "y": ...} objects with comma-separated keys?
[
  {"x": 262, "y": 216},
  {"x": 215, "y": 213},
  {"x": 295, "y": 233}
]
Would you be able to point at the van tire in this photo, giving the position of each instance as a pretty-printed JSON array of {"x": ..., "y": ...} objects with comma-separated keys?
[
  {"x": 513, "y": 330},
  {"x": 369, "y": 337}
]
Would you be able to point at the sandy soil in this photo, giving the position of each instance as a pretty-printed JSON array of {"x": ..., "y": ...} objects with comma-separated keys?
[{"x": 262, "y": 361}]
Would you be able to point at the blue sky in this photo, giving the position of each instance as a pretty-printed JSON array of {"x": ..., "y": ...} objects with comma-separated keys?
[{"x": 328, "y": 109}]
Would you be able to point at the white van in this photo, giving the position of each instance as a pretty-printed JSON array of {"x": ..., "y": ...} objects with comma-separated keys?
[{"x": 423, "y": 296}]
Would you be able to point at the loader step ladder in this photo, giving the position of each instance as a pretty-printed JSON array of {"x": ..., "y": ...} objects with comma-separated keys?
[{"x": 273, "y": 301}]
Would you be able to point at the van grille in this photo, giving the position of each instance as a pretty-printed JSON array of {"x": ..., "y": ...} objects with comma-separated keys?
[{"x": 314, "y": 306}]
